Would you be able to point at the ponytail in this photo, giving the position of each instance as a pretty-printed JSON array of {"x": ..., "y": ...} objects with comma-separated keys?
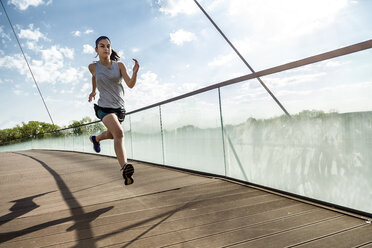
[{"x": 114, "y": 56}]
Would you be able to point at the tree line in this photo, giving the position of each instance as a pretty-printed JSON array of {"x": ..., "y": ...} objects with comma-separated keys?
[{"x": 37, "y": 129}]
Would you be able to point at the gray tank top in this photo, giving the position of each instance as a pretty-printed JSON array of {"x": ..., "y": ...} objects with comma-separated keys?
[{"x": 111, "y": 90}]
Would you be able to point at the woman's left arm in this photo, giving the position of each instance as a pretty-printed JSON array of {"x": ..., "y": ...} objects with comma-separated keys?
[{"x": 130, "y": 81}]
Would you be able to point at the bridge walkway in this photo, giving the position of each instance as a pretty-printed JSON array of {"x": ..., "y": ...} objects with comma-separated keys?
[{"x": 68, "y": 199}]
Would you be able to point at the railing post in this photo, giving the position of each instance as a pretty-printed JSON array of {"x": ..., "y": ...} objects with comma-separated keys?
[
  {"x": 222, "y": 130},
  {"x": 131, "y": 136},
  {"x": 162, "y": 135}
]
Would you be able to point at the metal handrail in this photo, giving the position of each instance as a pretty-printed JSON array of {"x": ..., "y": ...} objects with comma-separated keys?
[{"x": 298, "y": 63}]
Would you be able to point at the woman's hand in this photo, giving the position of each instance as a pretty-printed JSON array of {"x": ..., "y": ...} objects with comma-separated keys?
[
  {"x": 92, "y": 96},
  {"x": 136, "y": 66}
]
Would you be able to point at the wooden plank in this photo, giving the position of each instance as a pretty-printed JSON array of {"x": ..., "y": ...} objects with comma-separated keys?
[
  {"x": 231, "y": 236},
  {"x": 368, "y": 245},
  {"x": 165, "y": 233},
  {"x": 355, "y": 237},
  {"x": 301, "y": 234}
]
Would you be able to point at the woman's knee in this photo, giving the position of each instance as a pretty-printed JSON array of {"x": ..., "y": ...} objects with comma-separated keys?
[
  {"x": 118, "y": 134},
  {"x": 113, "y": 126}
]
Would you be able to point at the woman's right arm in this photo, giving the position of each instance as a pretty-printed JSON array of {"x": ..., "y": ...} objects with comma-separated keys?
[{"x": 92, "y": 69}]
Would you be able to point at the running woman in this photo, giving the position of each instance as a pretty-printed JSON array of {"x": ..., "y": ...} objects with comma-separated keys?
[{"x": 107, "y": 74}]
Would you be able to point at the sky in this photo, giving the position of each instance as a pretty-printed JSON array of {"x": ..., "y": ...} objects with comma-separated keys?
[{"x": 180, "y": 51}]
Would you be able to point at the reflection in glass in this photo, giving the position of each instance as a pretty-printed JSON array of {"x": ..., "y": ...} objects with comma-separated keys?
[
  {"x": 323, "y": 150},
  {"x": 128, "y": 136},
  {"x": 146, "y": 136},
  {"x": 192, "y": 133},
  {"x": 245, "y": 107}
]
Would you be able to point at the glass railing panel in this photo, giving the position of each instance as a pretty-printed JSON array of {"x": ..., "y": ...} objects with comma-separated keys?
[
  {"x": 68, "y": 140},
  {"x": 47, "y": 141},
  {"x": 128, "y": 136},
  {"x": 12, "y": 147},
  {"x": 324, "y": 150},
  {"x": 192, "y": 133},
  {"x": 61, "y": 138},
  {"x": 81, "y": 139},
  {"x": 107, "y": 147},
  {"x": 54, "y": 141},
  {"x": 146, "y": 136},
  {"x": 246, "y": 109},
  {"x": 39, "y": 142}
]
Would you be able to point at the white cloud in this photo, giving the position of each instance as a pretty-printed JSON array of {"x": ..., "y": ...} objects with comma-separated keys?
[
  {"x": 49, "y": 99},
  {"x": 86, "y": 88},
  {"x": 49, "y": 68},
  {"x": 148, "y": 90},
  {"x": 32, "y": 34},
  {"x": 88, "y": 31},
  {"x": 332, "y": 63},
  {"x": 222, "y": 60},
  {"x": 3, "y": 35},
  {"x": 121, "y": 54},
  {"x": 175, "y": 7},
  {"x": 14, "y": 62},
  {"x": 188, "y": 87},
  {"x": 286, "y": 93},
  {"x": 52, "y": 55},
  {"x": 181, "y": 36},
  {"x": 347, "y": 88},
  {"x": 88, "y": 49},
  {"x": 32, "y": 45},
  {"x": 72, "y": 75},
  {"x": 67, "y": 52},
  {"x": 135, "y": 50},
  {"x": 270, "y": 36},
  {"x": 76, "y": 33},
  {"x": 17, "y": 90},
  {"x": 286, "y": 18},
  {"x": 24, "y": 4},
  {"x": 295, "y": 79},
  {"x": 214, "y": 4}
]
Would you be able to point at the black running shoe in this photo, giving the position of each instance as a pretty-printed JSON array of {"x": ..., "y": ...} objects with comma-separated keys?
[
  {"x": 128, "y": 171},
  {"x": 96, "y": 145}
]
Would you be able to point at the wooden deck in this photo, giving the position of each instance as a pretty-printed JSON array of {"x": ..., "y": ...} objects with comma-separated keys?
[{"x": 66, "y": 199}]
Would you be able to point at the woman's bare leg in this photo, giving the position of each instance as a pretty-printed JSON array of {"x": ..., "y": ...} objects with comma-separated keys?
[
  {"x": 103, "y": 136},
  {"x": 114, "y": 128}
]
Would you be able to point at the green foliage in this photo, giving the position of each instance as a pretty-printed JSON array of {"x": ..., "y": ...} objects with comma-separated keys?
[
  {"x": 81, "y": 122},
  {"x": 83, "y": 127},
  {"x": 39, "y": 130},
  {"x": 78, "y": 129},
  {"x": 29, "y": 130}
]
